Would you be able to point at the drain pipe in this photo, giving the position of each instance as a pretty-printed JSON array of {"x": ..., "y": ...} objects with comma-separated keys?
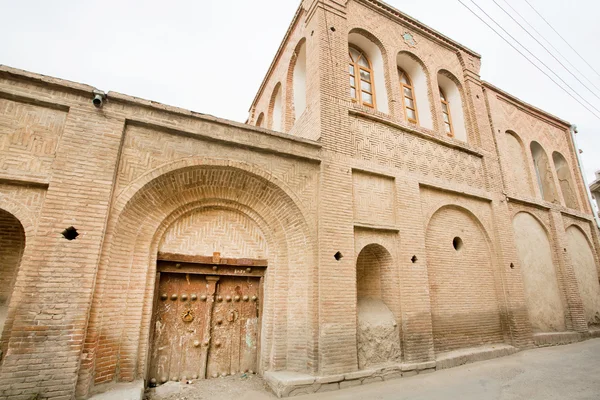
[{"x": 573, "y": 130}]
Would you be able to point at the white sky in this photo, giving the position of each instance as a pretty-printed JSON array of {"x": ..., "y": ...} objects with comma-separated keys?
[{"x": 210, "y": 56}]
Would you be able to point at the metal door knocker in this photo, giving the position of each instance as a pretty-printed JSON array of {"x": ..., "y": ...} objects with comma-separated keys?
[
  {"x": 233, "y": 315},
  {"x": 187, "y": 316}
]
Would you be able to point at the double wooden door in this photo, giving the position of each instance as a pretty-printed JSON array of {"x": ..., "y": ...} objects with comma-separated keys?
[{"x": 204, "y": 327}]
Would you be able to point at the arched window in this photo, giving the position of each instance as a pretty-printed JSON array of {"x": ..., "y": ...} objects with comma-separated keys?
[
  {"x": 362, "y": 88},
  {"x": 446, "y": 113},
  {"x": 409, "y": 101}
]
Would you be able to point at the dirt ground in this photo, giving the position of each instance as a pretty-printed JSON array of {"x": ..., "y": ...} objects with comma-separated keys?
[
  {"x": 236, "y": 387},
  {"x": 570, "y": 372}
]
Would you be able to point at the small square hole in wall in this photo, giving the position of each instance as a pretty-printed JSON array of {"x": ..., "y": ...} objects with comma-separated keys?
[
  {"x": 338, "y": 256},
  {"x": 70, "y": 233},
  {"x": 414, "y": 259},
  {"x": 512, "y": 266}
]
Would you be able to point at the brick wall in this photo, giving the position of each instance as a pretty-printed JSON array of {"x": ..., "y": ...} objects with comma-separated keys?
[{"x": 136, "y": 177}]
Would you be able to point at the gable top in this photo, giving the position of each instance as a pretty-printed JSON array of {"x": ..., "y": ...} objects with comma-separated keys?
[{"x": 378, "y": 5}]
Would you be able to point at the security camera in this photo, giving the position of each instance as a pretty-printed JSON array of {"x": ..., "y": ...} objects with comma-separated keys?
[{"x": 99, "y": 97}]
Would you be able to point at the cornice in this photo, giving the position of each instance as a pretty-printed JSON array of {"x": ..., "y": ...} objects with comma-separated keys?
[{"x": 424, "y": 29}]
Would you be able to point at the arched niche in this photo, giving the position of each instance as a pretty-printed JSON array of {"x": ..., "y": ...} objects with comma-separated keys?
[
  {"x": 299, "y": 79},
  {"x": 247, "y": 198},
  {"x": 260, "y": 120},
  {"x": 378, "y": 333},
  {"x": 419, "y": 77},
  {"x": 586, "y": 273},
  {"x": 516, "y": 161},
  {"x": 543, "y": 172},
  {"x": 465, "y": 310},
  {"x": 372, "y": 48},
  {"x": 542, "y": 293},
  {"x": 12, "y": 246},
  {"x": 450, "y": 87},
  {"x": 565, "y": 180},
  {"x": 276, "y": 109}
]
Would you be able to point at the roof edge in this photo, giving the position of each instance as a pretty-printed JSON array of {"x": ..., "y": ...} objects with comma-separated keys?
[
  {"x": 526, "y": 105},
  {"x": 277, "y": 55},
  {"x": 394, "y": 11},
  {"x": 83, "y": 89}
]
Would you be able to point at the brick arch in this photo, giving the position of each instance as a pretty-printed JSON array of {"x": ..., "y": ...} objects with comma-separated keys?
[
  {"x": 426, "y": 97},
  {"x": 271, "y": 119},
  {"x": 13, "y": 240},
  {"x": 125, "y": 195},
  {"x": 290, "y": 103},
  {"x": 461, "y": 317},
  {"x": 21, "y": 213},
  {"x": 519, "y": 169},
  {"x": 382, "y": 97},
  {"x": 373, "y": 264},
  {"x": 467, "y": 121},
  {"x": 143, "y": 213}
]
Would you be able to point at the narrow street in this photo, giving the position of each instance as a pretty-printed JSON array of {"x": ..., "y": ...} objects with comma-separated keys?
[{"x": 563, "y": 372}]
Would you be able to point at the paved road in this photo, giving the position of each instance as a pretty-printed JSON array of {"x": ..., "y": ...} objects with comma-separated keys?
[
  {"x": 569, "y": 372},
  {"x": 564, "y": 372}
]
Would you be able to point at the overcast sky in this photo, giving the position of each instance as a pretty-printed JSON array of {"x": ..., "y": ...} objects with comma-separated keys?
[{"x": 210, "y": 56}]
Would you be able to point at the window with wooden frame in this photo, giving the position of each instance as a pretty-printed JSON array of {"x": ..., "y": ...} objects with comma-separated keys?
[
  {"x": 362, "y": 88},
  {"x": 446, "y": 114},
  {"x": 408, "y": 97}
]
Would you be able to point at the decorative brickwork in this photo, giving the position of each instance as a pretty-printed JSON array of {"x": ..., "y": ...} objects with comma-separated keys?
[{"x": 352, "y": 226}]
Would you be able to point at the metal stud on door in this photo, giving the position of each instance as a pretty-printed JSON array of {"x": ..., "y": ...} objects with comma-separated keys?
[
  {"x": 180, "y": 321},
  {"x": 234, "y": 327}
]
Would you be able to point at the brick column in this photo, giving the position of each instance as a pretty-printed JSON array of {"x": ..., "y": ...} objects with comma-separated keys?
[
  {"x": 56, "y": 281},
  {"x": 417, "y": 333}
]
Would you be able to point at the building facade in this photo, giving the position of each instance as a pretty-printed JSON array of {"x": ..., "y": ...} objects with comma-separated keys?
[
  {"x": 595, "y": 191},
  {"x": 381, "y": 208}
]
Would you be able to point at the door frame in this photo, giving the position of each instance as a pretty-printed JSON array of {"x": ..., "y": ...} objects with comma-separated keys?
[{"x": 208, "y": 266}]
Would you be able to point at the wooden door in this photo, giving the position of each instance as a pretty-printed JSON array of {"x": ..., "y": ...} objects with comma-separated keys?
[
  {"x": 235, "y": 319},
  {"x": 202, "y": 334},
  {"x": 181, "y": 321}
]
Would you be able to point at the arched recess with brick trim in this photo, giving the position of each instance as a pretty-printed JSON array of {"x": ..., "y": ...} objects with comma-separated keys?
[
  {"x": 117, "y": 338},
  {"x": 12, "y": 246},
  {"x": 296, "y": 85},
  {"x": 540, "y": 278},
  {"x": 516, "y": 165},
  {"x": 464, "y": 303},
  {"x": 16, "y": 218},
  {"x": 378, "y": 332},
  {"x": 586, "y": 273}
]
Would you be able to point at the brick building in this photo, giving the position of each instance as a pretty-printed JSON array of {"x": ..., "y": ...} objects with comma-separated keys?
[{"x": 382, "y": 208}]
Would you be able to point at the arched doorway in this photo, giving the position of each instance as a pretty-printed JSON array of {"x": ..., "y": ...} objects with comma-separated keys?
[
  {"x": 207, "y": 313},
  {"x": 542, "y": 294},
  {"x": 464, "y": 305},
  {"x": 165, "y": 210},
  {"x": 378, "y": 333},
  {"x": 12, "y": 245}
]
